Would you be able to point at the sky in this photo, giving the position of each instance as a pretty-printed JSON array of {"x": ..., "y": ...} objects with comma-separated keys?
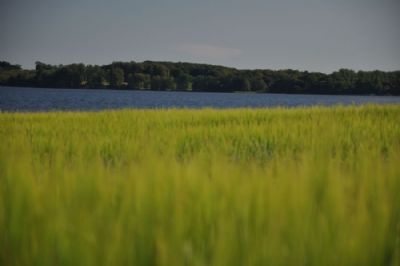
[{"x": 313, "y": 35}]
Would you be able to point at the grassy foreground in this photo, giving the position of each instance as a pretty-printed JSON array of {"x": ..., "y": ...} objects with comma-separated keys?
[{"x": 303, "y": 186}]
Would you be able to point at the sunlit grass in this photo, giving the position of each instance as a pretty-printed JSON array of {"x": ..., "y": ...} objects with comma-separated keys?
[{"x": 303, "y": 186}]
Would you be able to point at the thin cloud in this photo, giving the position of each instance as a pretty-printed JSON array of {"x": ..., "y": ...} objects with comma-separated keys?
[{"x": 209, "y": 51}]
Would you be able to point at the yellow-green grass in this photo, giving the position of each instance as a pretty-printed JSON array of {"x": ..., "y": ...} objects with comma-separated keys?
[{"x": 302, "y": 186}]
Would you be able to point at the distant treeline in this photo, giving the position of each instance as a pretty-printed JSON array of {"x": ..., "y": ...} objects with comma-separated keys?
[{"x": 170, "y": 76}]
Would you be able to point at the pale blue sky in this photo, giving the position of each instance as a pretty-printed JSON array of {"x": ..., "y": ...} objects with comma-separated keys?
[{"x": 315, "y": 35}]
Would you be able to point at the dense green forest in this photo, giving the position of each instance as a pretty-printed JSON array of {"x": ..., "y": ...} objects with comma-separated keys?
[{"x": 170, "y": 76}]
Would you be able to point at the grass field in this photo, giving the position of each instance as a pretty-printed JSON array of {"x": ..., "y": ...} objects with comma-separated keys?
[{"x": 302, "y": 186}]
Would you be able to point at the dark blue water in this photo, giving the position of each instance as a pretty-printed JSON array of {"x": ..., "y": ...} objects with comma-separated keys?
[{"x": 37, "y": 99}]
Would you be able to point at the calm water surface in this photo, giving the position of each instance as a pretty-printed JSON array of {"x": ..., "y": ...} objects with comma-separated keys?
[{"x": 38, "y": 99}]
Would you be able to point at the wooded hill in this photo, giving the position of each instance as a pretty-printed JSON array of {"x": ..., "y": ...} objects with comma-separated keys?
[{"x": 170, "y": 76}]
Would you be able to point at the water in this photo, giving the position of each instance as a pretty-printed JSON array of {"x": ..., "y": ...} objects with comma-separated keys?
[{"x": 38, "y": 99}]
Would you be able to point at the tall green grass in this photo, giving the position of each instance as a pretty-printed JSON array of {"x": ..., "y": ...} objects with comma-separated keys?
[{"x": 303, "y": 186}]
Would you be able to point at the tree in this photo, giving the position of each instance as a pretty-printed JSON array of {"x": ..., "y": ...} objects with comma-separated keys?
[
  {"x": 199, "y": 83},
  {"x": 183, "y": 82},
  {"x": 117, "y": 77},
  {"x": 200, "y": 77},
  {"x": 204, "y": 83},
  {"x": 44, "y": 74},
  {"x": 4, "y": 65},
  {"x": 259, "y": 85},
  {"x": 343, "y": 80},
  {"x": 155, "y": 69},
  {"x": 241, "y": 84},
  {"x": 371, "y": 82},
  {"x": 11, "y": 74},
  {"x": 162, "y": 83},
  {"x": 70, "y": 76},
  {"x": 287, "y": 81},
  {"x": 156, "y": 83},
  {"x": 168, "y": 83},
  {"x": 96, "y": 77},
  {"x": 138, "y": 81}
]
